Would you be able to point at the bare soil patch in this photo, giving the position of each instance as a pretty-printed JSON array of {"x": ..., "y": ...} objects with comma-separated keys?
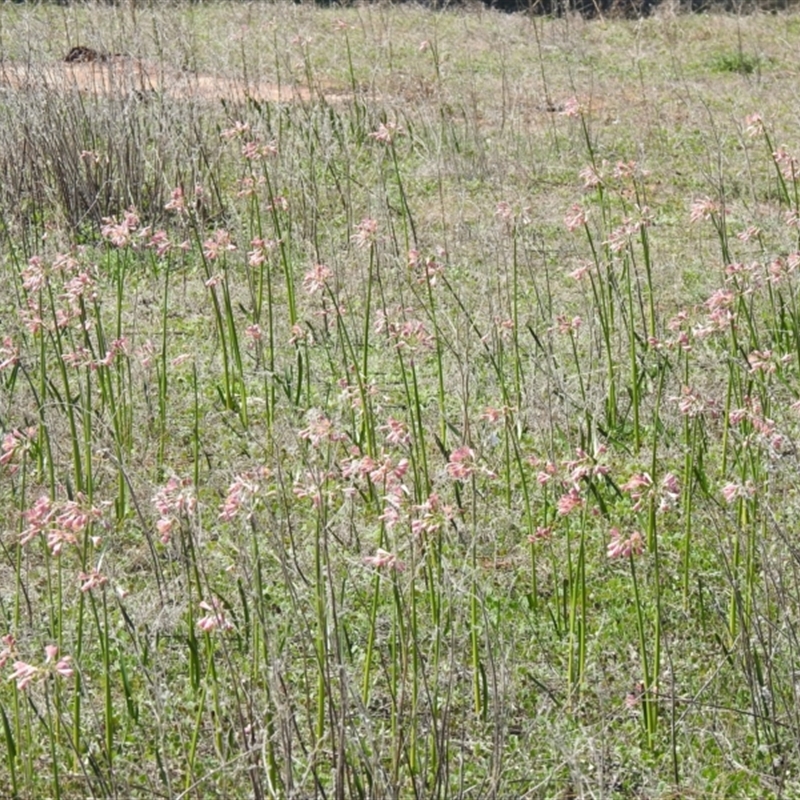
[{"x": 93, "y": 73}]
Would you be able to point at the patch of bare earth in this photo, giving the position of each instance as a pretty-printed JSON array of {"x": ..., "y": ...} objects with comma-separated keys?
[{"x": 118, "y": 76}]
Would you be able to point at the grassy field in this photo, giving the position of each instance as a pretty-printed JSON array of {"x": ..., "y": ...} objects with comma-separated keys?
[{"x": 398, "y": 404}]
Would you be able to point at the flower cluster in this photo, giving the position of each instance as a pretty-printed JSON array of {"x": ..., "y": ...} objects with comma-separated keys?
[
  {"x": 762, "y": 429},
  {"x": 25, "y": 673},
  {"x": 620, "y": 547},
  {"x": 320, "y": 429},
  {"x": 174, "y": 500},
  {"x": 217, "y": 245},
  {"x": 62, "y": 523},
  {"x": 640, "y": 487},
  {"x": 118, "y": 233},
  {"x": 384, "y": 473},
  {"x": 384, "y": 559},
  {"x": 407, "y": 335},
  {"x": 15, "y": 444},
  {"x": 387, "y": 132},
  {"x": 244, "y": 488},
  {"x": 9, "y": 354},
  {"x": 216, "y": 619}
]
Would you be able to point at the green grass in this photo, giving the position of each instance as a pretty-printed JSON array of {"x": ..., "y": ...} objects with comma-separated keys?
[{"x": 441, "y": 444}]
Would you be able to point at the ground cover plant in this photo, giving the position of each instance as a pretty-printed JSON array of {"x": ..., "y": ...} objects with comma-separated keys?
[{"x": 398, "y": 404}]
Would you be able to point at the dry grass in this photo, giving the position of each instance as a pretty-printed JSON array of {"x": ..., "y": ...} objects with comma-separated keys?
[{"x": 119, "y": 77}]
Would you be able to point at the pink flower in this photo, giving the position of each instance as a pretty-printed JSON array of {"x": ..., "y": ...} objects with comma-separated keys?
[
  {"x": 119, "y": 233},
  {"x": 23, "y": 674},
  {"x": 181, "y": 359},
  {"x": 761, "y": 361},
  {"x": 254, "y": 333},
  {"x": 391, "y": 514},
  {"x": 787, "y": 164},
  {"x": 37, "y": 517},
  {"x": 625, "y": 169},
  {"x": 9, "y": 354},
  {"x": 396, "y": 432},
  {"x": 310, "y": 490},
  {"x": 492, "y": 415},
  {"x": 388, "y": 472},
  {"x": 260, "y": 252},
  {"x": 431, "y": 515},
  {"x": 618, "y": 238},
  {"x": 638, "y": 481},
  {"x": 572, "y": 108},
  {"x": 160, "y": 243},
  {"x": 92, "y": 580},
  {"x": 255, "y": 151},
  {"x": 317, "y": 278},
  {"x": 243, "y": 488},
  {"x": 117, "y": 346},
  {"x": 461, "y": 463},
  {"x": 56, "y": 540},
  {"x": 216, "y": 619},
  {"x": 429, "y": 271},
  {"x": 624, "y": 548},
  {"x": 565, "y": 325},
  {"x": 78, "y": 359},
  {"x": 175, "y": 499},
  {"x": 164, "y": 527},
  {"x": 746, "y": 235},
  {"x": 703, "y": 209},
  {"x": 670, "y": 492},
  {"x": 177, "y": 202},
  {"x": 755, "y": 125},
  {"x": 382, "y": 559},
  {"x": 9, "y": 649},
  {"x": 34, "y": 277},
  {"x": 146, "y": 353},
  {"x": 320, "y": 429},
  {"x": 568, "y": 502},
  {"x": 279, "y": 203},
  {"x": 386, "y": 133},
  {"x": 238, "y": 130},
  {"x": 75, "y": 515},
  {"x": 366, "y": 232},
  {"x": 542, "y": 533},
  {"x": 692, "y": 404},
  {"x": 732, "y": 491},
  {"x": 63, "y": 667},
  {"x": 591, "y": 177},
  {"x": 219, "y": 243},
  {"x": 638, "y": 487},
  {"x": 575, "y": 218},
  {"x": 413, "y": 335},
  {"x": 579, "y": 273},
  {"x": 15, "y": 444}
]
